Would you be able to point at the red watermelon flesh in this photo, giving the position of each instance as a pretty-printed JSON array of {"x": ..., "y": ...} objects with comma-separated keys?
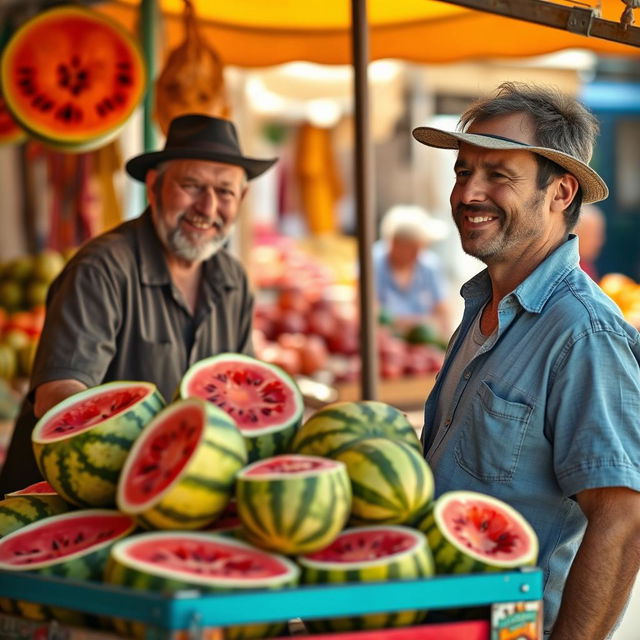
[
  {"x": 161, "y": 459},
  {"x": 95, "y": 409},
  {"x": 202, "y": 557},
  {"x": 364, "y": 545},
  {"x": 42, "y": 488},
  {"x": 288, "y": 464},
  {"x": 47, "y": 541},
  {"x": 251, "y": 393},
  {"x": 482, "y": 528}
]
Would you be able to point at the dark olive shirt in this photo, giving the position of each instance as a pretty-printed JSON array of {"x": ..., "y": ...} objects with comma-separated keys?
[{"x": 114, "y": 314}]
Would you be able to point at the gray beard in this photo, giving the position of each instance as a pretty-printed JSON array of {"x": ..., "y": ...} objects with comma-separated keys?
[{"x": 179, "y": 245}]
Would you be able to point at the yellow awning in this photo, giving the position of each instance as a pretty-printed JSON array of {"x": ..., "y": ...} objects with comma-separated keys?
[{"x": 256, "y": 33}]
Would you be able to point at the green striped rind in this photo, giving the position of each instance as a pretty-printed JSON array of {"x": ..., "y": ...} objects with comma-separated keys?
[
  {"x": 87, "y": 564},
  {"x": 336, "y": 426},
  {"x": 261, "y": 442},
  {"x": 203, "y": 488},
  {"x": 415, "y": 562},
  {"x": 450, "y": 556},
  {"x": 121, "y": 570},
  {"x": 19, "y": 511},
  {"x": 84, "y": 468},
  {"x": 297, "y": 513},
  {"x": 391, "y": 481}
]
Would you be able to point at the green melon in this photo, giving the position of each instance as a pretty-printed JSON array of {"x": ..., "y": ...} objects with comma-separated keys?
[
  {"x": 264, "y": 401},
  {"x": 471, "y": 532},
  {"x": 181, "y": 471},
  {"x": 338, "y": 425},
  {"x": 81, "y": 443},
  {"x": 293, "y": 504}
]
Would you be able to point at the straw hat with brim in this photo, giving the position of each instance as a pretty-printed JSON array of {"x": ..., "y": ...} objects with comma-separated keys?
[
  {"x": 593, "y": 186},
  {"x": 199, "y": 137}
]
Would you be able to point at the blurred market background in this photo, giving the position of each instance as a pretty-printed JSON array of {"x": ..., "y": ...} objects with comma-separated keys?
[{"x": 282, "y": 71}]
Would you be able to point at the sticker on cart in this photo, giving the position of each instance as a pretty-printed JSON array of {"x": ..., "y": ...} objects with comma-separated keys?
[{"x": 516, "y": 621}]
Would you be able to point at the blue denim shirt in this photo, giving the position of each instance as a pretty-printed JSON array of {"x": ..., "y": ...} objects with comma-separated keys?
[{"x": 548, "y": 409}]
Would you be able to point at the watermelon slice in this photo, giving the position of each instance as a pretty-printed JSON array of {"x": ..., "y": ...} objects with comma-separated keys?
[
  {"x": 264, "y": 401},
  {"x": 169, "y": 561},
  {"x": 293, "y": 504},
  {"x": 42, "y": 488},
  {"x": 81, "y": 443},
  {"x": 369, "y": 554},
  {"x": 72, "y": 545},
  {"x": 472, "y": 532},
  {"x": 180, "y": 473}
]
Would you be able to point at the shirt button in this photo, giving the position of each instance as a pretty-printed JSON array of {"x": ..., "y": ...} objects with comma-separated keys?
[
  {"x": 467, "y": 374},
  {"x": 447, "y": 422}
]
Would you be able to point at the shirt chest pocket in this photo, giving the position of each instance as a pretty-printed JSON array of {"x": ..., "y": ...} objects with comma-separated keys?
[{"x": 492, "y": 437}]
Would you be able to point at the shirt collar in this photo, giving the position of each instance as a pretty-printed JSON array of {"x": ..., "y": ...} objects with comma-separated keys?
[
  {"x": 153, "y": 264},
  {"x": 534, "y": 291}
]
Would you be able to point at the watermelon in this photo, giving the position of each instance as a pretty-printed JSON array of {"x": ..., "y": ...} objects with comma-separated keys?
[
  {"x": 264, "y": 401},
  {"x": 169, "y": 561},
  {"x": 180, "y": 473},
  {"x": 293, "y": 504},
  {"x": 42, "y": 488},
  {"x": 81, "y": 443},
  {"x": 70, "y": 545},
  {"x": 471, "y": 532},
  {"x": 391, "y": 481},
  {"x": 369, "y": 554},
  {"x": 20, "y": 510},
  {"x": 337, "y": 425}
]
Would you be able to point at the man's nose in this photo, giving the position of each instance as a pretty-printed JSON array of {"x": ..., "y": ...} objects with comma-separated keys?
[
  {"x": 206, "y": 200},
  {"x": 472, "y": 189}
]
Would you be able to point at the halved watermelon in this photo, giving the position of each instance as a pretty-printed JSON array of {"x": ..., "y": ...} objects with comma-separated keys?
[
  {"x": 181, "y": 471},
  {"x": 369, "y": 554},
  {"x": 168, "y": 561},
  {"x": 72, "y": 545},
  {"x": 472, "y": 532},
  {"x": 293, "y": 504},
  {"x": 81, "y": 443},
  {"x": 20, "y": 510},
  {"x": 336, "y": 426},
  {"x": 264, "y": 401},
  {"x": 42, "y": 488}
]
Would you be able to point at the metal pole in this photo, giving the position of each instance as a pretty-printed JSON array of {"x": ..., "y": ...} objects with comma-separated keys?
[
  {"x": 148, "y": 22},
  {"x": 364, "y": 201}
]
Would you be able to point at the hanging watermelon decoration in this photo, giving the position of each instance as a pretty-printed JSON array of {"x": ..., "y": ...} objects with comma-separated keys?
[
  {"x": 10, "y": 131},
  {"x": 72, "y": 77}
]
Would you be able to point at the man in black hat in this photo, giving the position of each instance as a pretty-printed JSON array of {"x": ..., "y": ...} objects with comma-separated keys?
[{"x": 154, "y": 295}]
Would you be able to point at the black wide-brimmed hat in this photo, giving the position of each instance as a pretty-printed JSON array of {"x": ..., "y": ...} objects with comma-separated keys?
[
  {"x": 593, "y": 186},
  {"x": 199, "y": 137}
]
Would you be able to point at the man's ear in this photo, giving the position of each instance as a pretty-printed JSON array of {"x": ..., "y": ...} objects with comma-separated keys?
[
  {"x": 150, "y": 182},
  {"x": 564, "y": 191}
]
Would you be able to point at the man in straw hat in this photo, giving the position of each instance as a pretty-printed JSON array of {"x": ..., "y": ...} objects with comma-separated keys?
[
  {"x": 154, "y": 295},
  {"x": 538, "y": 402}
]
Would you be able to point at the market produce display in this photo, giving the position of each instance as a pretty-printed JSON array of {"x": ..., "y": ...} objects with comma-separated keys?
[
  {"x": 293, "y": 504},
  {"x": 263, "y": 400},
  {"x": 368, "y": 554},
  {"x": 625, "y": 292},
  {"x": 352, "y": 464},
  {"x": 180, "y": 472},
  {"x": 94, "y": 71},
  {"x": 470, "y": 532},
  {"x": 81, "y": 444},
  {"x": 169, "y": 561}
]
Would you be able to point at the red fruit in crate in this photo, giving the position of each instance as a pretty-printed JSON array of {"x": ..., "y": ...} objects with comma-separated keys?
[
  {"x": 293, "y": 299},
  {"x": 314, "y": 355},
  {"x": 291, "y": 322}
]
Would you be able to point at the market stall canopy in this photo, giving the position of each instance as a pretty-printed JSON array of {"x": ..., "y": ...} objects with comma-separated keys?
[{"x": 254, "y": 33}]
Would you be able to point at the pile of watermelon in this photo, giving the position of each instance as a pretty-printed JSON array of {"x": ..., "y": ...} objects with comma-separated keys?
[{"x": 225, "y": 488}]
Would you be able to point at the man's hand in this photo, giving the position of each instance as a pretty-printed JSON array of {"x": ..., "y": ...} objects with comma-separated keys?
[
  {"x": 605, "y": 567},
  {"x": 49, "y": 394}
]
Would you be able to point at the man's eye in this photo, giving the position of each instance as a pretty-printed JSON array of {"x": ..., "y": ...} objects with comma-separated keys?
[
  {"x": 462, "y": 173},
  {"x": 497, "y": 175},
  {"x": 190, "y": 187},
  {"x": 225, "y": 193}
]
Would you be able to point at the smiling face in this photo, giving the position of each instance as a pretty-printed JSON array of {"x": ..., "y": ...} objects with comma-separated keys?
[
  {"x": 499, "y": 210},
  {"x": 194, "y": 204}
]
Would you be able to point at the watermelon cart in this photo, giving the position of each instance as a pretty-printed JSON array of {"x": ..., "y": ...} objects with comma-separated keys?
[{"x": 513, "y": 595}]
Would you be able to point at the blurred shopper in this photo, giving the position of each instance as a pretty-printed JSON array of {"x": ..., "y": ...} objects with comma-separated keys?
[
  {"x": 591, "y": 232},
  {"x": 154, "y": 295},
  {"x": 538, "y": 401},
  {"x": 410, "y": 285}
]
